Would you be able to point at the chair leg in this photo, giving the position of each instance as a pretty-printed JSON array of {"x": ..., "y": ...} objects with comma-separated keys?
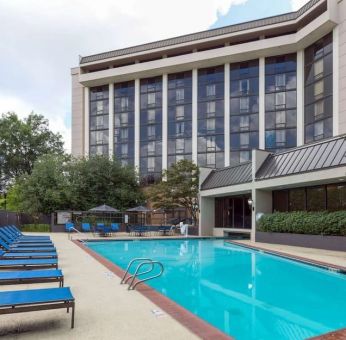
[{"x": 72, "y": 317}]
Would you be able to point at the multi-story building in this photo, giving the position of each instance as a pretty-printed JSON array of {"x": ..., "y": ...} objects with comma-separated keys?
[{"x": 214, "y": 96}]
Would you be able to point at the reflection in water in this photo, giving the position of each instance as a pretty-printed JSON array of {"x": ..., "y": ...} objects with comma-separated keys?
[{"x": 244, "y": 293}]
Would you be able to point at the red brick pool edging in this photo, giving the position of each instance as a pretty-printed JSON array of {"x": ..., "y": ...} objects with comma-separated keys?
[{"x": 189, "y": 320}]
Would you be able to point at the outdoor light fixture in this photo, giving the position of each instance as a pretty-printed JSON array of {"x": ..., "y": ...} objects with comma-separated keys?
[{"x": 250, "y": 202}]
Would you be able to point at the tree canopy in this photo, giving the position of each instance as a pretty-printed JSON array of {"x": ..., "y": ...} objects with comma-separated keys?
[
  {"x": 58, "y": 182},
  {"x": 178, "y": 189},
  {"x": 22, "y": 142}
]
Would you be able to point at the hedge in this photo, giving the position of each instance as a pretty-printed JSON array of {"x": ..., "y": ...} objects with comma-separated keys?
[
  {"x": 36, "y": 227},
  {"x": 303, "y": 222}
]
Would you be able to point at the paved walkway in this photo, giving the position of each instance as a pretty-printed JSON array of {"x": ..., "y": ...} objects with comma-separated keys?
[
  {"x": 104, "y": 308},
  {"x": 337, "y": 258}
]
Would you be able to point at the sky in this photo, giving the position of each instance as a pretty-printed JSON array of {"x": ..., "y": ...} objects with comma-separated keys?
[{"x": 40, "y": 40}]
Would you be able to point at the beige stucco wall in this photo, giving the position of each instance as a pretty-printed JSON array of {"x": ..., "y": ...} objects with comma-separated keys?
[
  {"x": 342, "y": 66},
  {"x": 207, "y": 216},
  {"x": 77, "y": 124}
]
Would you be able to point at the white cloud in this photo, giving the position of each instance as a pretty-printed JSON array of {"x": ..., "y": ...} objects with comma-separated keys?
[
  {"x": 40, "y": 41},
  {"x": 296, "y": 4}
]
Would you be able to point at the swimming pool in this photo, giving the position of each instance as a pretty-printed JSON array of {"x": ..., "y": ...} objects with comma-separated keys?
[{"x": 244, "y": 293}]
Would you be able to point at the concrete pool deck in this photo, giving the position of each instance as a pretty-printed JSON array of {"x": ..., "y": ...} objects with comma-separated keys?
[{"x": 104, "y": 308}]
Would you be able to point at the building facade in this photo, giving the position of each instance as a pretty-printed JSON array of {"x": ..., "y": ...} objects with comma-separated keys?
[{"x": 214, "y": 96}]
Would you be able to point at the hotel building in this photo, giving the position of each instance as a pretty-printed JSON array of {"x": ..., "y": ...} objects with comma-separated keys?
[{"x": 240, "y": 101}]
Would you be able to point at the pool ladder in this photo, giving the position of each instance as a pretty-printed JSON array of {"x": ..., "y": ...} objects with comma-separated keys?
[{"x": 130, "y": 279}]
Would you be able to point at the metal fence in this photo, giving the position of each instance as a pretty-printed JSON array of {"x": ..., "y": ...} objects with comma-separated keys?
[{"x": 10, "y": 217}]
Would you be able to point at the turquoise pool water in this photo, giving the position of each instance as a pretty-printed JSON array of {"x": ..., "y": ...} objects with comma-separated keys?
[{"x": 242, "y": 292}]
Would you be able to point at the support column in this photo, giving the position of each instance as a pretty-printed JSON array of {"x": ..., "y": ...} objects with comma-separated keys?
[
  {"x": 194, "y": 114},
  {"x": 300, "y": 98},
  {"x": 86, "y": 120},
  {"x": 164, "y": 121},
  {"x": 206, "y": 216},
  {"x": 336, "y": 81},
  {"x": 261, "y": 122},
  {"x": 137, "y": 123},
  {"x": 227, "y": 115},
  {"x": 111, "y": 121}
]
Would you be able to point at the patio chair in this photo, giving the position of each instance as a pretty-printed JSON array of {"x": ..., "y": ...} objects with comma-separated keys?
[
  {"x": 37, "y": 299},
  {"x": 15, "y": 238},
  {"x": 18, "y": 256},
  {"x": 29, "y": 264},
  {"x": 68, "y": 226},
  {"x": 17, "y": 249},
  {"x": 86, "y": 227},
  {"x": 32, "y": 276},
  {"x": 115, "y": 227}
]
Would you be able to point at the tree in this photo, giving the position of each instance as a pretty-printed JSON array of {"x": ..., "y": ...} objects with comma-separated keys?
[
  {"x": 22, "y": 142},
  {"x": 97, "y": 180},
  {"x": 46, "y": 189},
  {"x": 178, "y": 189},
  {"x": 58, "y": 182}
]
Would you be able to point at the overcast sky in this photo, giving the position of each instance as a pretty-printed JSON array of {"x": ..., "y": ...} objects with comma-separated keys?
[{"x": 40, "y": 40}]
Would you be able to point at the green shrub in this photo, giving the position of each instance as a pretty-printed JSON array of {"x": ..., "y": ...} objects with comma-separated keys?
[
  {"x": 36, "y": 228},
  {"x": 303, "y": 222}
]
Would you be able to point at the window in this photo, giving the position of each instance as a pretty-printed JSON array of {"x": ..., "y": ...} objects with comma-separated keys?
[
  {"x": 124, "y": 162},
  {"x": 151, "y": 116},
  {"x": 211, "y": 146},
  {"x": 151, "y": 164},
  {"x": 211, "y": 159},
  {"x": 151, "y": 131},
  {"x": 211, "y": 125},
  {"x": 99, "y": 107},
  {"x": 211, "y": 90},
  {"x": 124, "y": 133},
  {"x": 316, "y": 199},
  {"x": 179, "y": 94},
  {"x": 318, "y": 129},
  {"x": 280, "y": 137},
  {"x": 179, "y": 128},
  {"x": 280, "y": 119},
  {"x": 297, "y": 199},
  {"x": 179, "y": 158},
  {"x": 151, "y": 148},
  {"x": 244, "y": 123},
  {"x": 244, "y": 104},
  {"x": 124, "y": 118},
  {"x": 318, "y": 68},
  {"x": 244, "y": 86},
  {"x": 319, "y": 109},
  {"x": 99, "y": 137},
  {"x": 124, "y": 103},
  {"x": 179, "y": 145},
  {"x": 100, "y": 122},
  {"x": 244, "y": 140},
  {"x": 244, "y": 156},
  {"x": 179, "y": 112},
  {"x": 280, "y": 99},
  {"x": 99, "y": 94},
  {"x": 124, "y": 150},
  {"x": 151, "y": 98},
  {"x": 336, "y": 197},
  {"x": 280, "y": 81},
  {"x": 210, "y": 108},
  {"x": 318, "y": 89}
]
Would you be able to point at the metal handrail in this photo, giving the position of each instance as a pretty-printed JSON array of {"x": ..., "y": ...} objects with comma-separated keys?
[
  {"x": 130, "y": 264},
  {"x": 142, "y": 273},
  {"x": 79, "y": 232},
  {"x": 132, "y": 286}
]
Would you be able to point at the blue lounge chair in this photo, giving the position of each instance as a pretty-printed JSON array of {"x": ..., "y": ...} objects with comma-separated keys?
[
  {"x": 12, "y": 242},
  {"x": 37, "y": 255},
  {"x": 37, "y": 299},
  {"x": 86, "y": 227},
  {"x": 32, "y": 276},
  {"x": 20, "y": 236},
  {"x": 29, "y": 264},
  {"x": 8, "y": 248},
  {"x": 68, "y": 226},
  {"x": 115, "y": 227}
]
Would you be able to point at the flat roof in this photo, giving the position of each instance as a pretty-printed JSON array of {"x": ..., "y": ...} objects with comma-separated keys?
[{"x": 201, "y": 35}]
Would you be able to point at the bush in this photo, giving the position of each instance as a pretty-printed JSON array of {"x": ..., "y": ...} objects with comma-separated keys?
[
  {"x": 303, "y": 222},
  {"x": 36, "y": 228}
]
